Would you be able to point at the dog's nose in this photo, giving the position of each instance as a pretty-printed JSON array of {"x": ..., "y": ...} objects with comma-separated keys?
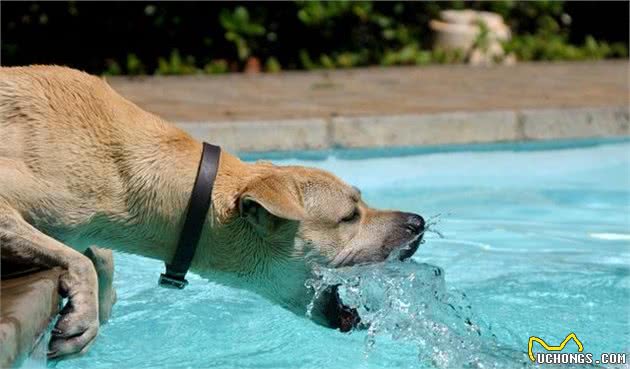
[{"x": 414, "y": 223}]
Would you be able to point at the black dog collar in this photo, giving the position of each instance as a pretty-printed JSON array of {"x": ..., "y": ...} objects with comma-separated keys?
[{"x": 198, "y": 206}]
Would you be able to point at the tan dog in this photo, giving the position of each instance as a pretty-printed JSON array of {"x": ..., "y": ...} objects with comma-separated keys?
[{"x": 80, "y": 166}]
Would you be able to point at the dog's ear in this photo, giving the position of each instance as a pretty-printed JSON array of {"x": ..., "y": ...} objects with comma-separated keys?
[{"x": 275, "y": 195}]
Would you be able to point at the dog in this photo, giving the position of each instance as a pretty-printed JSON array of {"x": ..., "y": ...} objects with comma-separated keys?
[{"x": 84, "y": 171}]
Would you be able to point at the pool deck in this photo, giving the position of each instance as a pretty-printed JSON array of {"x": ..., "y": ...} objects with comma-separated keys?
[{"x": 392, "y": 107}]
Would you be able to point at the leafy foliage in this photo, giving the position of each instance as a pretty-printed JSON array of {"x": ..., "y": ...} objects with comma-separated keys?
[{"x": 219, "y": 37}]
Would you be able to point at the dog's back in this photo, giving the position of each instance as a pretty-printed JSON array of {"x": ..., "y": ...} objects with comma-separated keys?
[
  {"x": 44, "y": 106},
  {"x": 69, "y": 142},
  {"x": 33, "y": 99}
]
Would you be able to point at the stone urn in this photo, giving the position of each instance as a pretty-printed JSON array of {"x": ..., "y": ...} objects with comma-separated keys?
[{"x": 477, "y": 34}]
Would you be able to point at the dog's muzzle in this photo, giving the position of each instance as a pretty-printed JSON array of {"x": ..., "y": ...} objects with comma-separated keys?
[{"x": 415, "y": 226}]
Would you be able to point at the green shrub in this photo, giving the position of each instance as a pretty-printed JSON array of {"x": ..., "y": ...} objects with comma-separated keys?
[
  {"x": 272, "y": 65},
  {"x": 218, "y": 37},
  {"x": 240, "y": 30},
  {"x": 134, "y": 65},
  {"x": 176, "y": 65},
  {"x": 555, "y": 47},
  {"x": 216, "y": 67}
]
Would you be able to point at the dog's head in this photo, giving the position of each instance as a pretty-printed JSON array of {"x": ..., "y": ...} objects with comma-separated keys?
[
  {"x": 283, "y": 220},
  {"x": 326, "y": 218}
]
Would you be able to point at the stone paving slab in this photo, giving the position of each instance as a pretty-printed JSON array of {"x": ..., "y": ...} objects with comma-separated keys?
[
  {"x": 416, "y": 130},
  {"x": 396, "y": 106},
  {"x": 304, "y": 134},
  {"x": 576, "y": 123},
  {"x": 27, "y": 304},
  {"x": 379, "y": 91}
]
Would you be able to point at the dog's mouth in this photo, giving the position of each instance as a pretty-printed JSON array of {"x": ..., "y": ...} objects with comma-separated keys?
[
  {"x": 401, "y": 252},
  {"x": 407, "y": 250},
  {"x": 345, "y": 318},
  {"x": 338, "y": 315}
]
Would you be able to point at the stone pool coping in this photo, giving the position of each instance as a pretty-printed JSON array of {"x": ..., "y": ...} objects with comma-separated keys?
[
  {"x": 28, "y": 303},
  {"x": 414, "y": 129}
]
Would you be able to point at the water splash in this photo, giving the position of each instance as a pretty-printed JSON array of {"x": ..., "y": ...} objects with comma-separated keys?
[
  {"x": 431, "y": 222},
  {"x": 409, "y": 302},
  {"x": 429, "y": 227}
]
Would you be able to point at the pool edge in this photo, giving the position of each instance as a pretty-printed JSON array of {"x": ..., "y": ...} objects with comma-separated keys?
[
  {"x": 29, "y": 303},
  {"x": 415, "y": 130}
]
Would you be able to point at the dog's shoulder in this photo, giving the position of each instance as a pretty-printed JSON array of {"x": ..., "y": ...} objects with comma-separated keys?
[
  {"x": 38, "y": 83},
  {"x": 60, "y": 93},
  {"x": 47, "y": 73}
]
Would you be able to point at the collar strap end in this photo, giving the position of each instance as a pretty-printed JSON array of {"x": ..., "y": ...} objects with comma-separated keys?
[{"x": 174, "y": 282}]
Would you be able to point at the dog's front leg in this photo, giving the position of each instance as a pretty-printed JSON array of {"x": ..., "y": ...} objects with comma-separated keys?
[
  {"x": 78, "y": 324},
  {"x": 103, "y": 260}
]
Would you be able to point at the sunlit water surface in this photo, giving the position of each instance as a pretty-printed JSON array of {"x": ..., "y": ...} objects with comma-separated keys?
[{"x": 535, "y": 242}]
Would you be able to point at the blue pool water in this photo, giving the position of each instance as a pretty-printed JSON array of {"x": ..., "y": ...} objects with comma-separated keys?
[{"x": 533, "y": 242}]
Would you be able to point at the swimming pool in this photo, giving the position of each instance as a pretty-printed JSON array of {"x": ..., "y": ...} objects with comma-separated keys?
[{"x": 535, "y": 242}]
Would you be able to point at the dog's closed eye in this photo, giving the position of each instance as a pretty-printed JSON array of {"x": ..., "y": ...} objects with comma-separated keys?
[{"x": 351, "y": 217}]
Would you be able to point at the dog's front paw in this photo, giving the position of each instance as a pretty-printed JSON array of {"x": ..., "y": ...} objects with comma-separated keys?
[{"x": 74, "y": 332}]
